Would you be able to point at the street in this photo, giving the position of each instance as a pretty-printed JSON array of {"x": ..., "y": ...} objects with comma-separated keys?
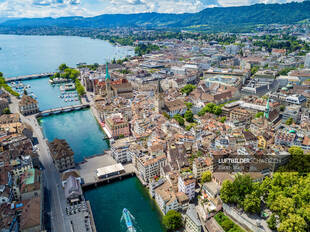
[{"x": 52, "y": 180}]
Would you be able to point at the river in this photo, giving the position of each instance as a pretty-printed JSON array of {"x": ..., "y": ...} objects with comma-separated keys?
[{"x": 23, "y": 55}]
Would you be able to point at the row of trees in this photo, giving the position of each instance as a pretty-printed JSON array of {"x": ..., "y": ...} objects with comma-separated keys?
[{"x": 8, "y": 88}]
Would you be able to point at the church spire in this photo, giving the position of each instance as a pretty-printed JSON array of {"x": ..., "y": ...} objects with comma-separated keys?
[
  {"x": 267, "y": 110},
  {"x": 107, "y": 75}
]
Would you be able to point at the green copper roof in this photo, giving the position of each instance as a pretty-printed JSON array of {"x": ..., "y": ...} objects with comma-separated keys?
[
  {"x": 267, "y": 110},
  {"x": 107, "y": 75}
]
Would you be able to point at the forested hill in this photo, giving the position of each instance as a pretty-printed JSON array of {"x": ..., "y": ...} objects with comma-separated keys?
[{"x": 219, "y": 17}]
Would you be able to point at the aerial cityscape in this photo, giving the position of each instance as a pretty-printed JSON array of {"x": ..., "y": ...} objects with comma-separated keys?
[{"x": 154, "y": 116}]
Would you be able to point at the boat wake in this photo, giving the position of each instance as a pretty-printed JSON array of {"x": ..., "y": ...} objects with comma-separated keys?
[{"x": 128, "y": 218}]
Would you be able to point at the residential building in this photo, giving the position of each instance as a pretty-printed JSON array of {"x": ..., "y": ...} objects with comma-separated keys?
[
  {"x": 201, "y": 165},
  {"x": 62, "y": 154},
  {"x": 31, "y": 216},
  {"x": 191, "y": 220},
  {"x": 4, "y": 103},
  {"x": 149, "y": 167},
  {"x": 28, "y": 105},
  {"x": 186, "y": 184},
  {"x": 120, "y": 150},
  {"x": 30, "y": 184}
]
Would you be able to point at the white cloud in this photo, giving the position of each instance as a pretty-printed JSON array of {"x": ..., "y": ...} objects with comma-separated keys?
[{"x": 57, "y": 8}]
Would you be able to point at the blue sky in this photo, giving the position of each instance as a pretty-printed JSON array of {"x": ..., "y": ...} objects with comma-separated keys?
[{"x": 57, "y": 8}]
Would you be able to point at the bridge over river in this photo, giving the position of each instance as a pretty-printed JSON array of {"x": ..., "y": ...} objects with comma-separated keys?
[
  {"x": 62, "y": 110},
  {"x": 29, "y": 77}
]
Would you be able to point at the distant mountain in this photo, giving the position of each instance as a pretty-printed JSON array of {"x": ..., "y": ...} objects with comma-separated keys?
[{"x": 218, "y": 17}]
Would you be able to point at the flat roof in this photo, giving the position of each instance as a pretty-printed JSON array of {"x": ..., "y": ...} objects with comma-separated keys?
[{"x": 109, "y": 169}]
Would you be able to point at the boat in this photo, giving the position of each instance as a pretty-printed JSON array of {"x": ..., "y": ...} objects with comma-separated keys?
[{"x": 127, "y": 217}]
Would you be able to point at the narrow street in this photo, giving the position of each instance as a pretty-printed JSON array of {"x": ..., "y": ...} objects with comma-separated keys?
[{"x": 51, "y": 176}]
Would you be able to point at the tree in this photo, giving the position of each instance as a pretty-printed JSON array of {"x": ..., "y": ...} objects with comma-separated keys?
[
  {"x": 6, "y": 111},
  {"x": 189, "y": 116},
  {"x": 289, "y": 121},
  {"x": 282, "y": 108},
  {"x": 166, "y": 115},
  {"x": 187, "y": 89},
  {"x": 259, "y": 115},
  {"x": 172, "y": 220},
  {"x": 62, "y": 67},
  {"x": 252, "y": 203},
  {"x": 272, "y": 222},
  {"x": 189, "y": 105},
  {"x": 223, "y": 119},
  {"x": 296, "y": 151},
  {"x": 179, "y": 119},
  {"x": 206, "y": 177},
  {"x": 293, "y": 223}
]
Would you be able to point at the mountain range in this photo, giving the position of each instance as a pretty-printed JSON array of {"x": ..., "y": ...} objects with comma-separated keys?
[{"x": 218, "y": 17}]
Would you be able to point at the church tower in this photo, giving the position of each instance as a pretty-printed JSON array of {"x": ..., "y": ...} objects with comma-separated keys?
[
  {"x": 159, "y": 103},
  {"x": 267, "y": 110},
  {"x": 108, "y": 83}
]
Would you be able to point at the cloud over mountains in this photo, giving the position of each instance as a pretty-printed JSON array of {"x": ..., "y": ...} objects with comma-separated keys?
[{"x": 57, "y": 8}]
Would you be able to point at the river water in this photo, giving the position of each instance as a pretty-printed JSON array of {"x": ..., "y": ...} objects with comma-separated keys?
[{"x": 23, "y": 55}]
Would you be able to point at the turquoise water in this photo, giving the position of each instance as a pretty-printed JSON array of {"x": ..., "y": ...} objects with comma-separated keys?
[
  {"x": 80, "y": 129},
  {"x": 48, "y": 95},
  {"x": 24, "y": 55},
  {"x": 107, "y": 203}
]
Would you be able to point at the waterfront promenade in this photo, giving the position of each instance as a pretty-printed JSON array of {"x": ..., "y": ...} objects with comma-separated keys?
[{"x": 52, "y": 180}]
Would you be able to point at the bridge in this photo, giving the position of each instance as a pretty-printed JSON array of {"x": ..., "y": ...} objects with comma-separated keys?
[
  {"x": 61, "y": 110},
  {"x": 29, "y": 77}
]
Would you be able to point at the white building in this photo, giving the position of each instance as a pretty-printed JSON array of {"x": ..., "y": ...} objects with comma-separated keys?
[
  {"x": 186, "y": 184},
  {"x": 120, "y": 151},
  {"x": 191, "y": 219},
  {"x": 149, "y": 167}
]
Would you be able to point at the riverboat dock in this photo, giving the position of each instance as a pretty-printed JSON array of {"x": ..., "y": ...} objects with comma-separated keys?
[{"x": 88, "y": 170}]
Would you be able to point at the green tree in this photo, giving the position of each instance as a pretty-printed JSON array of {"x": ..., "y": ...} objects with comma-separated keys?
[
  {"x": 254, "y": 70},
  {"x": 259, "y": 115},
  {"x": 272, "y": 222},
  {"x": 179, "y": 119},
  {"x": 189, "y": 116},
  {"x": 166, "y": 115},
  {"x": 172, "y": 220},
  {"x": 252, "y": 203},
  {"x": 187, "y": 89},
  {"x": 189, "y": 105},
  {"x": 206, "y": 177},
  {"x": 6, "y": 111},
  {"x": 289, "y": 121},
  {"x": 62, "y": 67},
  {"x": 293, "y": 223},
  {"x": 223, "y": 119}
]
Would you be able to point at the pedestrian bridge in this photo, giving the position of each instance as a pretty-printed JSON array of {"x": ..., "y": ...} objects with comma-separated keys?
[{"x": 61, "y": 110}]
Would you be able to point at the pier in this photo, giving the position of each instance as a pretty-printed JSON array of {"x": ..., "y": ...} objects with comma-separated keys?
[
  {"x": 62, "y": 110},
  {"x": 29, "y": 77}
]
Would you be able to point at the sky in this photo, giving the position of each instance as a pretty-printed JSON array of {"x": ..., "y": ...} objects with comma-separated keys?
[{"x": 58, "y": 8}]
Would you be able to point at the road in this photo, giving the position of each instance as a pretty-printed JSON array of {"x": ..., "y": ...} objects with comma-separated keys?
[{"x": 52, "y": 180}]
